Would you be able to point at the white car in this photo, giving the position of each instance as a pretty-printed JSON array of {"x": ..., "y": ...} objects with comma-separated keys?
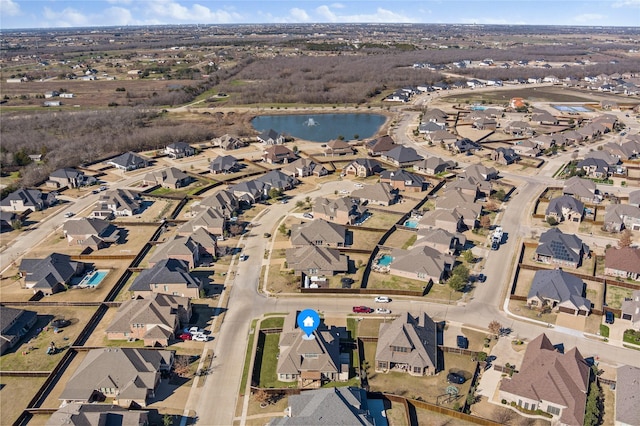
[
  {"x": 359, "y": 185},
  {"x": 200, "y": 337},
  {"x": 382, "y": 299},
  {"x": 68, "y": 214},
  {"x": 196, "y": 330},
  {"x": 382, "y": 311}
]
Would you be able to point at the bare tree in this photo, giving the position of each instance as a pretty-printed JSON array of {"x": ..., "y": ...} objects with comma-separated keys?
[
  {"x": 181, "y": 365},
  {"x": 485, "y": 222},
  {"x": 494, "y": 327},
  {"x": 262, "y": 396},
  {"x": 625, "y": 239}
]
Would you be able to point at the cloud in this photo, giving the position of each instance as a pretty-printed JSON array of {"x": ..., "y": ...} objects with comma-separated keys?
[
  {"x": 589, "y": 18},
  {"x": 119, "y": 1},
  {"x": 197, "y": 13},
  {"x": 626, "y": 3},
  {"x": 380, "y": 15},
  {"x": 338, "y": 6},
  {"x": 68, "y": 17},
  {"x": 9, "y": 8},
  {"x": 299, "y": 15},
  {"x": 119, "y": 16}
]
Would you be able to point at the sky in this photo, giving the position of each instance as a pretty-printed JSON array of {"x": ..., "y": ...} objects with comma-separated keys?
[{"x": 95, "y": 13}]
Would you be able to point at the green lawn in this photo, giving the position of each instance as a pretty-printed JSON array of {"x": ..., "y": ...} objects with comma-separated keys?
[
  {"x": 604, "y": 330},
  {"x": 615, "y": 295},
  {"x": 631, "y": 336},
  {"x": 273, "y": 322},
  {"x": 247, "y": 357},
  {"x": 268, "y": 375}
]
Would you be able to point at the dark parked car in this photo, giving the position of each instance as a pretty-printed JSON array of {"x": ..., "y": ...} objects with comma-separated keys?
[
  {"x": 455, "y": 378},
  {"x": 362, "y": 309},
  {"x": 463, "y": 342},
  {"x": 608, "y": 317},
  {"x": 482, "y": 278},
  {"x": 60, "y": 323}
]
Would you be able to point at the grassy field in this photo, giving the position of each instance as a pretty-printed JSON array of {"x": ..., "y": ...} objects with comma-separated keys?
[
  {"x": 247, "y": 357},
  {"x": 268, "y": 375},
  {"x": 381, "y": 281},
  {"x": 615, "y": 295},
  {"x": 16, "y": 393}
]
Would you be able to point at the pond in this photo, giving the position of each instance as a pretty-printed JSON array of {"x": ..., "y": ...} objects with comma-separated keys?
[{"x": 321, "y": 127}]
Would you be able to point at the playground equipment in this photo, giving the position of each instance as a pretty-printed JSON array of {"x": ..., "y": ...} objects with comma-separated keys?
[{"x": 451, "y": 394}]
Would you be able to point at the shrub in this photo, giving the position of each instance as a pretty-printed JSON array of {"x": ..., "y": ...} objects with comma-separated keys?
[{"x": 504, "y": 401}]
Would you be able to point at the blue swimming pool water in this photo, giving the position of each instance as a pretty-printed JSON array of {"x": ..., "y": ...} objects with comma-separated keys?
[
  {"x": 385, "y": 260},
  {"x": 411, "y": 224},
  {"x": 478, "y": 108},
  {"x": 96, "y": 278}
]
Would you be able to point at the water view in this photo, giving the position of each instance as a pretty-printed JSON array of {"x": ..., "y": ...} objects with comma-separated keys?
[{"x": 321, "y": 127}]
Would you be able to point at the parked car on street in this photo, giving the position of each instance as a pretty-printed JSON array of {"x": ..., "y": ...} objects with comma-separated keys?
[
  {"x": 307, "y": 215},
  {"x": 200, "y": 337},
  {"x": 383, "y": 311},
  {"x": 185, "y": 336},
  {"x": 68, "y": 214},
  {"x": 382, "y": 299}
]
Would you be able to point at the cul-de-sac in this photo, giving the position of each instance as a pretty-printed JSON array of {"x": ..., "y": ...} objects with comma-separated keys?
[{"x": 458, "y": 204}]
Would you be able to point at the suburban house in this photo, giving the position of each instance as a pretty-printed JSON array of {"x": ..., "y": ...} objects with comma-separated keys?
[
  {"x": 168, "y": 276},
  {"x": 327, "y": 406},
  {"x": 376, "y": 147},
  {"x": 316, "y": 260},
  {"x": 71, "y": 178},
  {"x": 408, "y": 344},
  {"x": 250, "y": 192},
  {"x": 544, "y": 118},
  {"x": 342, "y": 210},
  {"x": 551, "y": 381},
  {"x": 431, "y": 127},
  {"x": 154, "y": 320},
  {"x": 622, "y": 262},
  {"x": 22, "y": 200},
  {"x": 224, "y": 164},
  {"x": 14, "y": 324},
  {"x": 90, "y": 232},
  {"x": 338, "y": 147},
  {"x": 51, "y": 274},
  {"x": 464, "y": 145},
  {"x": 526, "y": 147},
  {"x": 380, "y": 193},
  {"x": 634, "y": 198},
  {"x": 304, "y": 167},
  {"x": 276, "y": 154},
  {"x": 222, "y": 201},
  {"x": 558, "y": 290},
  {"x": 582, "y": 189},
  {"x": 442, "y": 137},
  {"x": 462, "y": 204},
  {"x": 441, "y": 240},
  {"x": 128, "y": 161},
  {"x": 435, "y": 115},
  {"x": 627, "y": 409},
  {"x": 228, "y": 142},
  {"x": 565, "y": 208},
  {"x": 128, "y": 375},
  {"x": 505, "y": 156},
  {"x": 555, "y": 247},
  {"x": 433, "y": 166},
  {"x": 471, "y": 186},
  {"x": 421, "y": 263},
  {"x": 178, "y": 247},
  {"x": 449, "y": 220},
  {"x": 319, "y": 232},
  {"x": 310, "y": 362},
  {"x": 117, "y": 202},
  {"x": 271, "y": 137},
  {"x": 484, "y": 123},
  {"x": 8, "y": 220},
  {"x": 631, "y": 310},
  {"x": 595, "y": 167},
  {"x": 275, "y": 179},
  {"x": 179, "y": 150},
  {"x": 209, "y": 219},
  {"x": 170, "y": 177},
  {"x": 362, "y": 167},
  {"x": 401, "y": 156},
  {"x": 621, "y": 216},
  {"x": 519, "y": 128},
  {"x": 403, "y": 180},
  {"x": 77, "y": 414}
]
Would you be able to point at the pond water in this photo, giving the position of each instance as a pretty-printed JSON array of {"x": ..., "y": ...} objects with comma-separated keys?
[{"x": 321, "y": 127}]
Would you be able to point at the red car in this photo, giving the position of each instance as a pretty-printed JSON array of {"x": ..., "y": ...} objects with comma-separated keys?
[
  {"x": 362, "y": 309},
  {"x": 185, "y": 336}
]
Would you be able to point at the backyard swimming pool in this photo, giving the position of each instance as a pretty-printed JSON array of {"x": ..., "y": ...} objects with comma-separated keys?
[
  {"x": 411, "y": 223},
  {"x": 385, "y": 260},
  {"x": 92, "y": 279}
]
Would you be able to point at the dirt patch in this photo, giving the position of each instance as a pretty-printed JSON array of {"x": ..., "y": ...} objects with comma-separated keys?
[
  {"x": 16, "y": 394},
  {"x": 575, "y": 322}
]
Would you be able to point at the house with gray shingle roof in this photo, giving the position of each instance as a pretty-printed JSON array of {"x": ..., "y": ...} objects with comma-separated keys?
[
  {"x": 90, "y": 232},
  {"x": 278, "y": 180},
  {"x": 179, "y": 247},
  {"x": 449, "y": 220},
  {"x": 117, "y": 202},
  {"x": 627, "y": 409},
  {"x": 179, "y": 150},
  {"x": 154, "y": 320},
  {"x": 559, "y": 290},
  {"x": 621, "y": 216},
  {"x": 228, "y": 142},
  {"x": 8, "y": 220},
  {"x": 634, "y": 198},
  {"x": 631, "y": 309},
  {"x": 170, "y": 177},
  {"x": 319, "y": 232},
  {"x": 128, "y": 161},
  {"x": 442, "y": 137},
  {"x": 70, "y": 178},
  {"x": 505, "y": 156},
  {"x": 78, "y": 414},
  {"x": 271, "y": 137},
  {"x": 14, "y": 323},
  {"x": 276, "y": 154},
  {"x": 562, "y": 249},
  {"x": 224, "y": 164},
  {"x": 310, "y": 362},
  {"x": 222, "y": 201},
  {"x": 211, "y": 220},
  {"x": 304, "y": 167},
  {"x": 376, "y": 147},
  {"x": 128, "y": 375},
  {"x": 421, "y": 263},
  {"x": 341, "y": 210},
  {"x": 408, "y": 344},
  {"x": 362, "y": 167},
  {"x": 402, "y": 156},
  {"x": 338, "y": 147},
  {"x": 564, "y": 208},
  {"x": 27, "y": 199},
  {"x": 316, "y": 260},
  {"x": 441, "y": 240},
  {"x": 551, "y": 381},
  {"x": 431, "y": 127},
  {"x": 403, "y": 180},
  {"x": 433, "y": 166},
  {"x": 51, "y": 274},
  {"x": 250, "y": 192},
  {"x": 167, "y": 276},
  {"x": 380, "y": 193},
  {"x": 328, "y": 407},
  {"x": 595, "y": 167},
  {"x": 583, "y": 189}
]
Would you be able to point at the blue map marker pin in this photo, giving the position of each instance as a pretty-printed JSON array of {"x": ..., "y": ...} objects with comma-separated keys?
[{"x": 308, "y": 321}]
